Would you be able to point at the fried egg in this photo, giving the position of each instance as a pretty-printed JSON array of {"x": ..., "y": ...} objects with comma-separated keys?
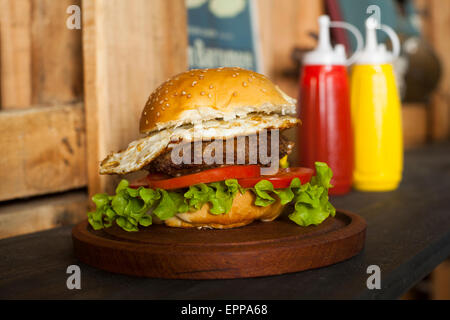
[{"x": 141, "y": 152}]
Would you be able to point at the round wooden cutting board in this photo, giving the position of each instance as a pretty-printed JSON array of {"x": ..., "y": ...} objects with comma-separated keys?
[{"x": 258, "y": 249}]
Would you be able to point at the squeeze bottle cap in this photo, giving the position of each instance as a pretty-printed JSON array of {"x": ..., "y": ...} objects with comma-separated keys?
[
  {"x": 375, "y": 53},
  {"x": 324, "y": 54}
]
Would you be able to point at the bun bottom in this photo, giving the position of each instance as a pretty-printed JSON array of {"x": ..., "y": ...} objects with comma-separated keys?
[{"x": 242, "y": 212}]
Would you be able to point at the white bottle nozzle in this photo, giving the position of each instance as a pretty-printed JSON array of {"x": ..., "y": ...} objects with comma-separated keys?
[
  {"x": 371, "y": 34},
  {"x": 324, "y": 33},
  {"x": 324, "y": 53},
  {"x": 340, "y": 51},
  {"x": 373, "y": 52},
  {"x": 356, "y": 34}
]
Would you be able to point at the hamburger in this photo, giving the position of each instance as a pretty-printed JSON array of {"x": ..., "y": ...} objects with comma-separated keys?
[{"x": 215, "y": 153}]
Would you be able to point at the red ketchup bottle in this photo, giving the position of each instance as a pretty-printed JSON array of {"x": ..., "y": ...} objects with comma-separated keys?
[{"x": 324, "y": 108}]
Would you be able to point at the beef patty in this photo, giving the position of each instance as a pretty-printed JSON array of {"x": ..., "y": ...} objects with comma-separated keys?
[{"x": 242, "y": 155}]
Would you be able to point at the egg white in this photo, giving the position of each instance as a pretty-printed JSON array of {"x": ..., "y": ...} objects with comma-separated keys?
[{"x": 142, "y": 151}]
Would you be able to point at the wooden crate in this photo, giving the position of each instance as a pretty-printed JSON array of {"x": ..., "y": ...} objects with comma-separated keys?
[{"x": 68, "y": 97}]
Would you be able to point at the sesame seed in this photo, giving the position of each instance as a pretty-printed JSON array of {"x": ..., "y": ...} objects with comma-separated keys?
[
  {"x": 194, "y": 83},
  {"x": 183, "y": 93},
  {"x": 157, "y": 114},
  {"x": 234, "y": 75},
  {"x": 263, "y": 90},
  {"x": 161, "y": 102},
  {"x": 201, "y": 77},
  {"x": 166, "y": 99},
  {"x": 209, "y": 95},
  {"x": 145, "y": 113},
  {"x": 244, "y": 84},
  {"x": 202, "y": 93},
  {"x": 235, "y": 94},
  {"x": 188, "y": 96},
  {"x": 211, "y": 86},
  {"x": 146, "y": 121},
  {"x": 167, "y": 105}
]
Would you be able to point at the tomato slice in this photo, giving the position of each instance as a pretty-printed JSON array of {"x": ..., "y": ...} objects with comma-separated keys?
[
  {"x": 206, "y": 176},
  {"x": 143, "y": 182},
  {"x": 282, "y": 179}
]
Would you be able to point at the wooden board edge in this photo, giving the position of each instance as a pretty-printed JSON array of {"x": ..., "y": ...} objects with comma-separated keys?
[{"x": 346, "y": 243}]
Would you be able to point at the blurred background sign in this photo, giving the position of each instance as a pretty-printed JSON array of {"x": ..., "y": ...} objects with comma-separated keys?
[{"x": 222, "y": 33}]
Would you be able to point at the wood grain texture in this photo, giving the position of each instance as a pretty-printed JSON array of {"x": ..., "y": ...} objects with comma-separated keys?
[
  {"x": 415, "y": 125},
  {"x": 128, "y": 51},
  {"x": 15, "y": 53},
  {"x": 285, "y": 25},
  {"x": 436, "y": 23},
  {"x": 43, "y": 150},
  {"x": 258, "y": 249},
  {"x": 21, "y": 217},
  {"x": 56, "y": 55},
  {"x": 41, "y": 60}
]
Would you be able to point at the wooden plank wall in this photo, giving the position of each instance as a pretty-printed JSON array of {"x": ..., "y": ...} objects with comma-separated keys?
[
  {"x": 43, "y": 151},
  {"x": 437, "y": 20},
  {"x": 15, "y": 54},
  {"x": 42, "y": 132},
  {"x": 128, "y": 51},
  {"x": 42, "y": 120},
  {"x": 40, "y": 58},
  {"x": 285, "y": 25}
]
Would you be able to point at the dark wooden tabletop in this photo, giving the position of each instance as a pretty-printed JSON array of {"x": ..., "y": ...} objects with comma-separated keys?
[{"x": 408, "y": 235}]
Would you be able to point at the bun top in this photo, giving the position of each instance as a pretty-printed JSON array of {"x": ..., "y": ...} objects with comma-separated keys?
[{"x": 200, "y": 95}]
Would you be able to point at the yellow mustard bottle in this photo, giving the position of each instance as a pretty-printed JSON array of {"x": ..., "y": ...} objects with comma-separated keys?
[{"x": 376, "y": 115}]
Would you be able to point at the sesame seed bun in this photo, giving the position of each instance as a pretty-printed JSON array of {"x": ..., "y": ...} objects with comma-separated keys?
[{"x": 200, "y": 95}]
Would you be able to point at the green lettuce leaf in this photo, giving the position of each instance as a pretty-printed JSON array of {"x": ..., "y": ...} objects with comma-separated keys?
[
  {"x": 170, "y": 204},
  {"x": 311, "y": 205},
  {"x": 130, "y": 208},
  {"x": 219, "y": 195},
  {"x": 262, "y": 190}
]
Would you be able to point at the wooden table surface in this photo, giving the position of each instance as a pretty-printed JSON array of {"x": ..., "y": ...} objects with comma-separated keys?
[{"x": 408, "y": 235}]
